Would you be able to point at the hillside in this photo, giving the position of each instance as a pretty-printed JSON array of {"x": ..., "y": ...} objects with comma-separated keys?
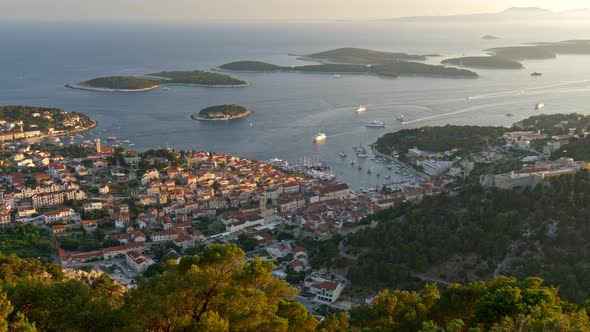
[
  {"x": 43, "y": 118},
  {"x": 488, "y": 62},
  {"x": 199, "y": 77},
  {"x": 438, "y": 139},
  {"x": 476, "y": 234},
  {"x": 122, "y": 83}
]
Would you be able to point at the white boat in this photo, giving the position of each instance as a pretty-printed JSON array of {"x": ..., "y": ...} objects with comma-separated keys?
[
  {"x": 336, "y": 76},
  {"x": 401, "y": 118},
  {"x": 342, "y": 155},
  {"x": 320, "y": 137},
  {"x": 375, "y": 124},
  {"x": 361, "y": 109},
  {"x": 362, "y": 155},
  {"x": 539, "y": 106}
]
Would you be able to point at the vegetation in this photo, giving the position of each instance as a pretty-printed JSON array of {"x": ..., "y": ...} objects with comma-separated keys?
[
  {"x": 199, "y": 77},
  {"x": 390, "y": 69},
  {"x": 218, "y": 291},
  {"x": 123, "y": 82},
  {"x": 150, "y": 81},
  {"x": 223, "y": 112},
  {"x": 553, "y": 123},
  {"x": 41, "y": 118},
  {"x": 490, "y": 62},
  {"x": 362, "y": 56},
  {"x": 25, "y": 241},
  {"x": 476, "y": 234},
  {"x": 439, "y": 139},
  {"x": 252, "y": 66},
  {"x": 214, "y": 291}
]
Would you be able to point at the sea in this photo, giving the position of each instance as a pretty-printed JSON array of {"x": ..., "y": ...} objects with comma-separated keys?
[{"x": 38, "y": 59}]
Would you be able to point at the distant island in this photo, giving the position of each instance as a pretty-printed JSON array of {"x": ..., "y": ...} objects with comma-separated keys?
[
  {"x": 350, "y": 55},
  {"x": 155, "y": 80},
  {"x": 489, "y": 62},
  {"x": 541, "y": 51},
  {"x": 389, "y": 70},
  {"x": 222, "y": 113},
  {"x": 490, "y": 37}
]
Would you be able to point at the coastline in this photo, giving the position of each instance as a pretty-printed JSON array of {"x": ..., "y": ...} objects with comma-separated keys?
[
  {"x": 79, "y": 86},
  {"x": 65, "y": 133},
  {"x": 341, "y": 73},
  {"x": 198, "y": 118}
]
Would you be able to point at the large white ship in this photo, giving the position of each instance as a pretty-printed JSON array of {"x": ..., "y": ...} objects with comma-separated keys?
[
  {"x": 320, "y": 137},
  {"x": 361, "y": 109}
]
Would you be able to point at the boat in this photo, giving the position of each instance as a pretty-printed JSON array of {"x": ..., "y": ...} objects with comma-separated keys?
[
  {"x": 378, "y": 174},
  {"x": 389, "y": 167},
  {"x": 165, "y": 89},
  {"x": 401, "y": 118},
  {"x": 469, "y": 98},
  {"x": 509, "y": 115},
  {"x": 360, "y": 167},
  {"x": 362, "y": 155},
  {"x": 539, "y": 106},
  {"x": 320, "y": 137},
  {"x": 537, "y": 74},
  {"x": 342, "y": 155},
  {"x": 375, "y": 124},
  {"x": 352, "y": 162},
  {"x": 336, "y": 76},
  {"x": 387, "y": 177},
  {"x": 361, "y": 109},
  {"x": 111, "y": 138},
  {"x": 369, "y": 171},
  {"x": 277, "y": 162}
]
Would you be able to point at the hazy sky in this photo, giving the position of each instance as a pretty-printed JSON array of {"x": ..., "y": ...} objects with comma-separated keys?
[{"x": 191, "y": 10}]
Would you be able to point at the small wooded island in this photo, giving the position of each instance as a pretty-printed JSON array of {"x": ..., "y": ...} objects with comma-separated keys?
[
  {"x": 222, "y": 113},
  {"x": 360, "y": 56},
  {"x": 155, "y": 80},
  {"x": 489, "y": 62},
  {"x": 389, "y": 70}
]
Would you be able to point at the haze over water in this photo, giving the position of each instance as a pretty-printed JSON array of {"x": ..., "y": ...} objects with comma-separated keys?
[{"x": 37, "y": 60}]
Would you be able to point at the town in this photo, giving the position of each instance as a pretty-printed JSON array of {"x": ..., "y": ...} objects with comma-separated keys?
[{"x": 121, "y": 212}]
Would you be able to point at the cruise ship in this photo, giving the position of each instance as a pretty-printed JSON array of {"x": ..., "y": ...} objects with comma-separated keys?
[
  {"x": 320, "y": 137},
  {"x": 361, "y": 109},
  {"x": 375, "y": 124}
]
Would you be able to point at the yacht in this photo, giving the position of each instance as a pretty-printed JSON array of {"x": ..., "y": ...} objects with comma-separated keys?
[
  {"x": 320, "y": 137},
  {"x": 361, "y": 109},
  {"x": 342, "y": 155},
  {"x": 387, "y": 177},
  {"x": 375, "y": 124},
  {"x": 539, "y": 106},
  {"x": 401, "y": 118},
  {"x": 362, "y": 155}
]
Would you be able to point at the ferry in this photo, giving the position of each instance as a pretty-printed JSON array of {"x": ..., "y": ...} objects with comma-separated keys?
[
  {"x": 539, "y": 106},
  {"x": 361, "y": 109},
  {"x": 401, "y": 118},
  {"x": 278, "y": 163},
  {"x": 375, "y": 124},
  {"x": 320, "y": 137}
]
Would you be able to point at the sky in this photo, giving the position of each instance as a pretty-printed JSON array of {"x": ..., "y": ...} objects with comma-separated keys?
[{"x": 195, "y": 10}]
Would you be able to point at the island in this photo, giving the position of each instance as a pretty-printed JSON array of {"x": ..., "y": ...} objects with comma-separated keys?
[
  {"x": 362, "y": 56},
  {"x": 488, "y": 62},
  {"x": 490, "y": 37},
  {"x": 522, "y": 53},
  {"x": 155, "y": 80},
  {"x": 22, "y": 122},
  {"x": 222, "y": 113},
  {"x": 389, "y": 70}
]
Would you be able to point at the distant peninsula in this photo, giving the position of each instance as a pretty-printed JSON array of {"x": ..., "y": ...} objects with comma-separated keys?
[
  {"x": 222, "y": 113},
  {"x": 488, "y": 62},
  {"x": 389, "y": 70},
  {"x": 540, "y": 51},
  {"x": 155, "y": 80},
  {"x": 361, "y": 56}
]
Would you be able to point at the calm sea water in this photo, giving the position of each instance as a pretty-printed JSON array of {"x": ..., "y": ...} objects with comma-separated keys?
[{"x": 36, "y": 60}]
